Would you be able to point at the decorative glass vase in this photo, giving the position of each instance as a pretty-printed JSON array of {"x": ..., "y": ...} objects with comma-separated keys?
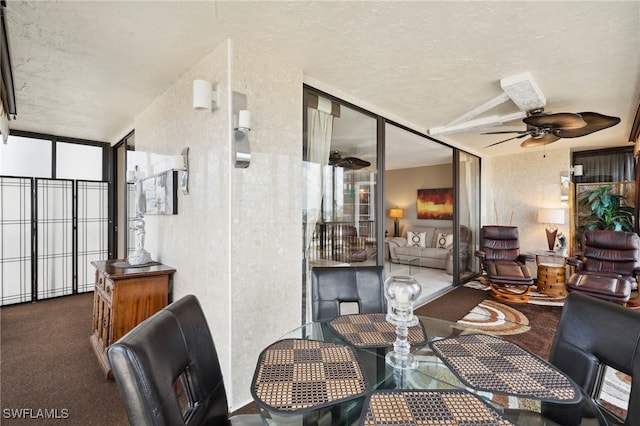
[{"x": 401, "y": 292}]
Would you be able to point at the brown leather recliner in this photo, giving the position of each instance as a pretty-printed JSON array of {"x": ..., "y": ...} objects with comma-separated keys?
[
  {"x": 608, "y": 266},
  {"x": 508, "y": 274}
]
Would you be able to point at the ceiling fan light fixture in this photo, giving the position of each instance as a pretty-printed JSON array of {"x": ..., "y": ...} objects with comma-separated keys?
[{"x": 523, "y": 91}]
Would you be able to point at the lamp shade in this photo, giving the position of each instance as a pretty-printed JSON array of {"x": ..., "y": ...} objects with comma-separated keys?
[
  {"x": 551, "y": 216},
  {"x": 396, "y": 213}
]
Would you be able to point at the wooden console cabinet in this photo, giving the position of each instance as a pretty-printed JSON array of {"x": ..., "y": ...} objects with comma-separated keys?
[{"x": 124, "y": 296}]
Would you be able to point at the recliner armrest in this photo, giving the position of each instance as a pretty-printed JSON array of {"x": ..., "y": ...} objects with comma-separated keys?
[
  {"x": 480, "y": 254},
  {"x": 397, "y": 242},
  {"x": 577, "y": 263},
  {"x": 525, "y": 257}
]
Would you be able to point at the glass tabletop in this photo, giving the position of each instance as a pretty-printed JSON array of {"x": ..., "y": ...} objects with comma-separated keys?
[{"x": 432, "y": 373}]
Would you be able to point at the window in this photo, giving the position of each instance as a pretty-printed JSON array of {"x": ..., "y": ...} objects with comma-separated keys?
[
  {"x": 76, "y": 161},
  {"x": 26, "y": 157}
]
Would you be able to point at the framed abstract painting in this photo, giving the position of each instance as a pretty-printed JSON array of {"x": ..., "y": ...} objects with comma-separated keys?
[{"x": 435, "y": 204}]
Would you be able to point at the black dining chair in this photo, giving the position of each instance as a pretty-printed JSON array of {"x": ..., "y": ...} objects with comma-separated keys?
[
  {"x": 592, "y": 334},
  {"x": 168, "y": 373},
  {"x": 334, "y": 287}
]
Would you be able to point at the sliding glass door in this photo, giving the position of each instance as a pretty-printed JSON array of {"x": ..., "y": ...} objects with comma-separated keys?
[
  {"x": 354, "y": 215},
  {"x": 340, "y": 174},
  {"x": 467, "y": 216}
]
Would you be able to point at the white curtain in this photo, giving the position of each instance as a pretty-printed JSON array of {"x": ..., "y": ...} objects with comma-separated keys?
[
  {"x": 4, "y": 124},
  {"x": 319, "y": 130},
  {"x": 320, "y": 127}
]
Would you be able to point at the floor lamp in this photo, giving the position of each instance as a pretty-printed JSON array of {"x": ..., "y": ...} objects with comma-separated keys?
[{"x": 396, "y": 214}]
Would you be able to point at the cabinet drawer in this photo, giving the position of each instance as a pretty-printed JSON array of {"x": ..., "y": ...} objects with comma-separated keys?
[
  {"x": 100, "y": 280},
  {"x": 108, "y": 288}
]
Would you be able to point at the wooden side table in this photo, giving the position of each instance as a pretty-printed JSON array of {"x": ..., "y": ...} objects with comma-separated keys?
[
  {"x": 124, "y": 296},
  {"x": 552, "y": 276}
]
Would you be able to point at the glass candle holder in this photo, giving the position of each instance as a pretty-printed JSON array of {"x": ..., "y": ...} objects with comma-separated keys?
[{"x": 401, "y": 292}]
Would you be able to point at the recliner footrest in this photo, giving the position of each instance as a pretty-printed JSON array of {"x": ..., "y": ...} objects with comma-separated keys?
[{"x": 615, "y": 289}]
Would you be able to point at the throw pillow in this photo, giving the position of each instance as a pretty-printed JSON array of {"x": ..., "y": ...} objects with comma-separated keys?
[
  {"x": 416, "y": 239},
  {"x": 444, "y": 241}
]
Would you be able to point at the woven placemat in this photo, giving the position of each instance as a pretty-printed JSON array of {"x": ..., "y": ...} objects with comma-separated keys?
[
  {"x": 295, "y": 375},
  {"x": 429, "y": 407},
  {"x": 373, "y": 331},
  {"x": 489, "y": 363}
]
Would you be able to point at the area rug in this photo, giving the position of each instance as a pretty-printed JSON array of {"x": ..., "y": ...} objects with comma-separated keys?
[
  {"x": 535, "y": 298},
  {"x": 496, "y": 318}
]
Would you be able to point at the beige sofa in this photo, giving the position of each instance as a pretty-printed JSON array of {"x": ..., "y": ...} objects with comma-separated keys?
[{"x": 431, "y": 245}]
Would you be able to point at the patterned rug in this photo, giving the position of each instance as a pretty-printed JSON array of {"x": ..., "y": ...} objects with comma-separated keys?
[
  {"x": 535, "y": 298},
  {"x": 494, "y": 317}
]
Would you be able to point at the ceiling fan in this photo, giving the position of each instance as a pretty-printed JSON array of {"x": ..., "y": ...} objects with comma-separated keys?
[
  {"x": 544, "y": 129},
  {"x": 351, "y": 163}
]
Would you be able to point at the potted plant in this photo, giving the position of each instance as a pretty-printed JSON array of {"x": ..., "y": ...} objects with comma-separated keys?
[{"x": 606, "y": 210}]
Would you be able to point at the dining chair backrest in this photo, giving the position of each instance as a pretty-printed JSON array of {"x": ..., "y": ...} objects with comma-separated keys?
[
  {"x": 171, "y": 351},
  {"x": 335, "y": 286},
  {"x": 593, "y": 333}
]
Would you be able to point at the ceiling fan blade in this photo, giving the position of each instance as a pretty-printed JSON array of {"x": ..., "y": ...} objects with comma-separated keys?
[
  {"x": 560, "y": 120},
  {"x": 505, "y": 132},
  {"x": 595, "y": 122},
  {"x": 543, "y": 140},
  {"x": 353, "y": 163},
  {"x": 510, "y": 139}
]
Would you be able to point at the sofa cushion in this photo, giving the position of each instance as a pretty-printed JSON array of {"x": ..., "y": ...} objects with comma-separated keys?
[
  {"x": 429, "y": 233},
  {"x": 416, "y": 239},
  {"x": 444, "y": 241}
]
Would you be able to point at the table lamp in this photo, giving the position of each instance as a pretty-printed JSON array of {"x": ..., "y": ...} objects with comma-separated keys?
[
  {"x": 396, "y": 214},
  {"x": 551, "y": 217}
]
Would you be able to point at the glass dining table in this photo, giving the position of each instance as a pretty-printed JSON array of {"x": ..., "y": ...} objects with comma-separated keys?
[{"x": 334, "y": 372}]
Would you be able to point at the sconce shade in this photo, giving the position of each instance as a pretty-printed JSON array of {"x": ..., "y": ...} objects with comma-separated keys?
[
  {"x": 396, "y": 213},
  {"x": 177, "y": 162},
  {"x": 551, "y": 216},
  {"x": 201, "y": 94},
  {"x": 204, "y": 95},
  {"x": 244, "y": 119},
  {"x": 578, "y": 170}
]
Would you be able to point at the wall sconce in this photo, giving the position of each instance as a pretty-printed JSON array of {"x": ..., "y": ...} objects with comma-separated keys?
[
  {"x": 181, "y": 163},
  {"x": 551, "y": 217},
  {"x": 205, "y": 96},
  {"x": 241, "y": 129},
  {"x": 577, "y": 170},
  {"x": 396, "y": 214}
]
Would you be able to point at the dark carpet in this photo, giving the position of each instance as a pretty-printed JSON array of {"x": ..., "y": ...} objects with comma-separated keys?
[{"x": 48, "y": 372}]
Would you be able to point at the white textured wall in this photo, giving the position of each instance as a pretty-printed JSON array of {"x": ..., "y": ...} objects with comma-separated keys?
[
  {"x": 515, "y": 187},
  {"x": 236, "y": 239}
]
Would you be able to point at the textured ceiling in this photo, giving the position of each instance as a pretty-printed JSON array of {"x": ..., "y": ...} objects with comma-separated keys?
[{"x": 86, "y": 69}]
